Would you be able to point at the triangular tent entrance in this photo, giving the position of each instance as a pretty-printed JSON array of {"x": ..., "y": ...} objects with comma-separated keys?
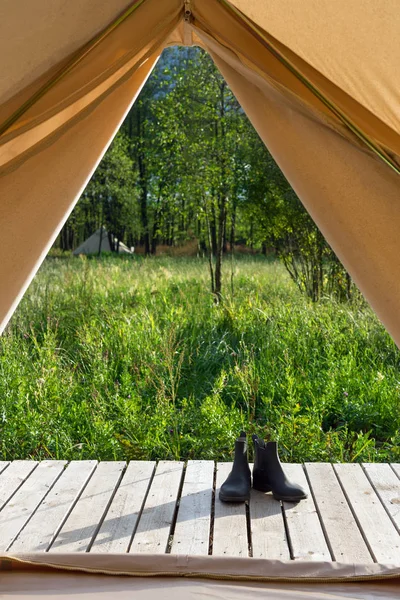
[
  {"x": 98, "y": 242},
  {"x": 317, "y": 79}
]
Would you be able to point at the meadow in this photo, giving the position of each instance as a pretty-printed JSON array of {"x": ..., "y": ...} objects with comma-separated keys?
[{"x": 131, "y": 358}]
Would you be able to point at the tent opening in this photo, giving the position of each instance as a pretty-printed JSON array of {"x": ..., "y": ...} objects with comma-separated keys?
[{"x": 335, "y": 136}]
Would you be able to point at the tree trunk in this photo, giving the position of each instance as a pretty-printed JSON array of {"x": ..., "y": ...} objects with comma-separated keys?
[
  {"x": 348, "y": 286},
  {"x": 233, "y": 228},
  {"x": 153, "y": 245},
  {"x": 222, "y": 196},
  {"x": 213, "y": 230},
  {"x": 220, "y": 247},
  {"x": 171, "y": 231},
  {"x": 143, "y": 186},
  {"x": 210, "y": 255},
  {"x": 251, "y": 233},
  {"x": 143, "y": 204}
]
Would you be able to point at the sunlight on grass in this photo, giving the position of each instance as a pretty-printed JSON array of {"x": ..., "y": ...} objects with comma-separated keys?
[{"x": 131, "y": 358}]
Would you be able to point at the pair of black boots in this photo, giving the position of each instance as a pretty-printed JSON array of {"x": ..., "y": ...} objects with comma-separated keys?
[{"x": 268, "y": 475}]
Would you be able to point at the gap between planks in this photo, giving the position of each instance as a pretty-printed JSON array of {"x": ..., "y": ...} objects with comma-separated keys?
[
  {"x": 230, "y": 530},
  {"x": 377, "y": 527},
  {"x": 306, "y": 534},
  {"x": 23, "y": 504},
  {"x": 191, "y": 533},
  {"x": 42, "y": 529},
  {"x": 85, "y": 519},
  {"x": 159, "y": 511},
  {"x": 333, "y": 509},
  {"x": 125, "y": 512}
]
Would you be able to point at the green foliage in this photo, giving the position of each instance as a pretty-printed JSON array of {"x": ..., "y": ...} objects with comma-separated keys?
[
  {"x": 130, "y": 358},
  {"x": 186, "y": 165},
  {"x": 109, "y": 199}
]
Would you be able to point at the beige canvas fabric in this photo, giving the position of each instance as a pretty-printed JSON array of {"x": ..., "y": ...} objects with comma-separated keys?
[
  {"x": 38, "y": 194},
  {"x": 352, "y": 43},
  {"x": 318, "y": 80},
  {"x": 146, "y": 577}
]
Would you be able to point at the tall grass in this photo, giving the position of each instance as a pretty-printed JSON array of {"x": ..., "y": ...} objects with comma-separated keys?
[{"x": 131, "y": 358}]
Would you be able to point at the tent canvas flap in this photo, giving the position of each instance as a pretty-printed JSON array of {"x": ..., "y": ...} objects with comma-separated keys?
[{"x": 320, "y": 92}]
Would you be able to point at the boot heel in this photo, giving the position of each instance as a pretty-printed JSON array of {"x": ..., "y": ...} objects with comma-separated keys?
[
  {"x": 260, "y": 484},
  {"x": 236, "y": 488},
  {"x": 269, "y": 476},
  {"x": 261, "y": 488}
]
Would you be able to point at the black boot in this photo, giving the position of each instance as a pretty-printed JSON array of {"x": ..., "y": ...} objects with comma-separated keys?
[
  {"x": 268, "y": 474},
  {"x": 236, "y": 488}
]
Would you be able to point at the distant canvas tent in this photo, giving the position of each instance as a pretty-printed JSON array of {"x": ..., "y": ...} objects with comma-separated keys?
[{"x": 98, "y": 242}]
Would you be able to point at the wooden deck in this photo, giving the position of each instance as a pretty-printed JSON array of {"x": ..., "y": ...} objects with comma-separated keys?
[{"x": 352, "y": 513}]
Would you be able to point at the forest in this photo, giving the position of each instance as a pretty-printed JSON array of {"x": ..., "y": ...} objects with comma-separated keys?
[{"x": 187, "y": 165}]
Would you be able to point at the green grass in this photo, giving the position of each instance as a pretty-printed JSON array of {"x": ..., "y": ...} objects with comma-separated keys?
[{"x": 131, "y": 358}]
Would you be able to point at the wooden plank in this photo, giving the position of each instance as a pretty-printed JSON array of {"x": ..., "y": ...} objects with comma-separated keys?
[
  {"x": 396, "y": 468},
  {"x": 192, "y": 529},
  {"x": 152, "y": 534},
  {"x": 39, "y": 533},
  {"x": 230, "y": 523},
  {"x": 268, "y": 536},
  {"x": 387, "y": 485},
  {"x": 3, "y": 465},
  {"x": 26, "y": 499},
  {"x": 305, "y": 532},
  {"x": 86, "y": 516},
  {"x": 116, "y": 531},
  {"x": 376, "y": 525},
  {"x": 345, "y": 539},
  {"x": 13, "y": 477}
]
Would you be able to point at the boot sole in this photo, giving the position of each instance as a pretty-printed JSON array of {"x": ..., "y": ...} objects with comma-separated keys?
[
  {"x": 261, "y": 488},
  {"x": 290, "y": 498},
  {"x": 234, "y": 498}
]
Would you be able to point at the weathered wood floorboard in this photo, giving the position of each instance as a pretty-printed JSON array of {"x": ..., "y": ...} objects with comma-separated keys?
[
  {"x": 230, "y": 524},
  {"x": 49, "y": 517},
  {"x": 13, "y": 477},
  {"x": 82, "y": 524},
  {"x": 375, "y": 523},
  {"x": 305, "y": 532},
  {"x": 352, "y": 514},
  {"x": 3, "y": 465},
  {"x": 152, "y": 533},
  {"x": 396, "y": 468},
  {"x": 386, "y": 484},
  {"x": 268, "y": 535},
  {"x": 22, "y": 505},
  {"x": 192, "y": 529},
  {"x": 336, "y": 515},
  {"x": 117, "y": 529}
]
